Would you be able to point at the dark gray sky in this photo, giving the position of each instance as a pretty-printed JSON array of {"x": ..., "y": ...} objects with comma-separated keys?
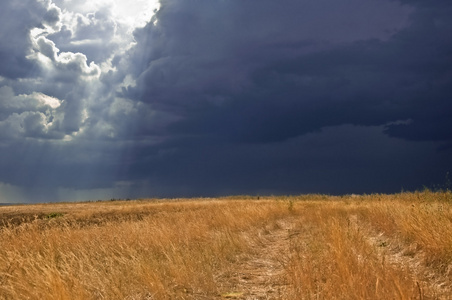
[{"x": 126, "y": 99}]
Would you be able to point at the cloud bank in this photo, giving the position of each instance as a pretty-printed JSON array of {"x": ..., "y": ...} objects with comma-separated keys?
[{"x": 206, "y": 98}]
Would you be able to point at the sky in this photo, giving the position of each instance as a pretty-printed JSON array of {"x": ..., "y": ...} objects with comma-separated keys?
[{"x": 109, "y": 99}]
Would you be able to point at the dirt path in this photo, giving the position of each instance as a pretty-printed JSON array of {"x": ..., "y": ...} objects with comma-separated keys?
[
  {"x": 260, "y": 275},
  {"x": 431, "y": 283}
]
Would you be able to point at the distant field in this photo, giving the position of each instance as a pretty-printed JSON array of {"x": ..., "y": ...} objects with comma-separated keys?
[{"x": 306, "y": 247}]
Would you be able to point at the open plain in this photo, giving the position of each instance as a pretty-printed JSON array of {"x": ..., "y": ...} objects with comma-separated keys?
[{"x": 299, "y": 247}]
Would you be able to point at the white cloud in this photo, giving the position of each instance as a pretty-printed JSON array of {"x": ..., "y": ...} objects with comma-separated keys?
[
  {"x": 34, "y": 101},
  {"x": 73, "y": 50},
  {"x": 28, "y": 115},
  {"x": 76, "y": 64},
  {"x": 47, "y": 100},
  {"x": 46, "y": 47}
]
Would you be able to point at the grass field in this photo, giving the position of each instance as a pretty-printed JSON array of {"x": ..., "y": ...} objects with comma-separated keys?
[{"x": 302, "y": 247}]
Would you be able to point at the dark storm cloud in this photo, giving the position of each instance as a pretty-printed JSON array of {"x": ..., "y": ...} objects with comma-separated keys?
[
  {"x": 17, "y": 19},
  {"x": 225, "y": 97},
  {"x": 195, "y": 46},
  {"x": 340, "y": 159},
  {"x": 234, "y": 74},
  {"x": 267, "y": 73}
]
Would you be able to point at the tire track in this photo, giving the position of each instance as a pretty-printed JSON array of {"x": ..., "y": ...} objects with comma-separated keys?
[{"x": 260, "y": 275}]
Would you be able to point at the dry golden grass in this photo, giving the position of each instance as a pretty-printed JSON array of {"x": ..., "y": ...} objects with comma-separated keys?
[
  {"x": 307, "y": 247},
  {"x": 376, "y": 247}
]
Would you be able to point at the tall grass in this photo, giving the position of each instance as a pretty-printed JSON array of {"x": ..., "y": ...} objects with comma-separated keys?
[
  {"x": 351, "y": 247},
  {"x": 373, "y": 247},
  {"x": 173, "y": 250}
]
